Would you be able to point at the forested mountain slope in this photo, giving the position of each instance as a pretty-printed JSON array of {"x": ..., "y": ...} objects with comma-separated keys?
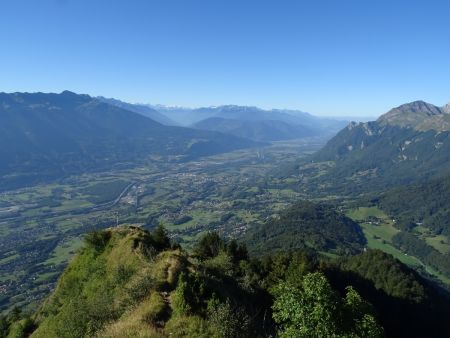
[
  {"x": 307, "y": 225},
  {"x": 408, "y": 144}
]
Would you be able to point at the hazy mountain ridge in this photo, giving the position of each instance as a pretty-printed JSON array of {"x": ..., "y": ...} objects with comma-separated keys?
[
  {"x": 140, "y": 109},
  {"x": 260, "y": 130},
  {"x": 191, "y": 116},
  {"x": 49, "y": 135}
]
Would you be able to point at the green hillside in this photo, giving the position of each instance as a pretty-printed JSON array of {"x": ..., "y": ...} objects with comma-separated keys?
[
  {"x": 127, "y": 282},
  {"x": 307, "y": 225}
]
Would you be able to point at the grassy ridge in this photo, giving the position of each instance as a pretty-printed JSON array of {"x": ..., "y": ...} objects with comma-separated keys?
[{"x": 127, "y": 282}]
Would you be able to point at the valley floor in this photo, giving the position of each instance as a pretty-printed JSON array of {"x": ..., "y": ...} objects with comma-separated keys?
[{"x": 42, "y": 226}]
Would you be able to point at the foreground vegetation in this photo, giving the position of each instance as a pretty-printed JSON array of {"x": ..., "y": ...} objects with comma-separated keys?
[{"x": 127, "y": 282}]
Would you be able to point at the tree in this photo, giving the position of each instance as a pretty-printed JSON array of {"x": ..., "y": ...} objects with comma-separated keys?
[
  {"x": 308, "y": 311},
  {"x": 209, "y": 246},
  {"x": 314, "y": 309},
  {"x": 358, "y": 316},
  {"x": 237, "y": 252},
  {"x": 160, "y": 238}
]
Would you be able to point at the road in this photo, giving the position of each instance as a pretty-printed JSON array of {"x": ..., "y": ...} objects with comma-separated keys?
[{"x": 98, "y": 207}]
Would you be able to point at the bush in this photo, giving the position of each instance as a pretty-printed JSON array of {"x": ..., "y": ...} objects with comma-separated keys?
[
  {"x": 97, "y": 239},
  {"x": 315, "y": 309},
  {"x": 156, "y": 310},
  {"x": 190, "y": 295},
  {"x": 180, "y": 298},
  {"x": 21, "y": 328},
  {"x": 139, "y": 287},
  {"x": 228, "y": 321}
]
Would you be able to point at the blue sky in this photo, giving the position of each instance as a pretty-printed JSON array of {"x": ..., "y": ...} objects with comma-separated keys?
[{"x": 333, "y": 57}]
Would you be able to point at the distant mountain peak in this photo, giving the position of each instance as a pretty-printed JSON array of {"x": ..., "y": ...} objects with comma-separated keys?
[
  {"x": 416, "y": 107},
  {"x": 446, "y": 108},
  {"x": 68, "y": 92},
  {"x": 418, "y": 115},
  {"x": 144, "y": 110}
]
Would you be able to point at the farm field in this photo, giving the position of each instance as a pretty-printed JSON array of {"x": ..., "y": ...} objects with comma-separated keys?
[
  {"x": 42, "y": 226},
  {"x": 379, "y": 229}
]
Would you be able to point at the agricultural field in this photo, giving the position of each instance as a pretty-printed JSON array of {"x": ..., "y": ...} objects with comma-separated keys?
[
  {"x": 42, "y": 226},
  {"x": 379, "y": 230}
]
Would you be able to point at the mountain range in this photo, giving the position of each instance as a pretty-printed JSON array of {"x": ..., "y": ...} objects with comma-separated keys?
[
  {"x": 128, "y": 282},
  {"x": 255, "y": 123},
  {"x": 140, "y": 109},
  {"x": 45, "y": 136},
  {"x": 409, "y": 143},
  {"x": 243, "y": 121},
  {"x": 259, "y": 130},
  {"x": 400, "y": 164}
]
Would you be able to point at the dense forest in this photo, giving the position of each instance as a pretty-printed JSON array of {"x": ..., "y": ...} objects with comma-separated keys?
[
  {"x": 417, "y": 209},
  {"x": 427, "y": 204},
  {"x": 308, "y": 225}
]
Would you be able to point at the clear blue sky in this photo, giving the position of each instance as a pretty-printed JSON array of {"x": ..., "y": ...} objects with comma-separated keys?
[{"x": 333, "y": 57}]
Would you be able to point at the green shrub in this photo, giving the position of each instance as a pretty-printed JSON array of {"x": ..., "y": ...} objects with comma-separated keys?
[
  {"x": 228, "y": 321},
  {"x": 139, "y": 287},
  {"x": 97, "y": 239},
  {"x": 156, "y": 309},
  {"x": 21, "y": 328},
  {"x": 123, "y": 274},
  {"x": 180, "y": 297}
]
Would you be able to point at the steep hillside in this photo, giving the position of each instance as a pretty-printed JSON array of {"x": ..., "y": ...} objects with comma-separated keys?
[
  {"x": 408, "y": 306},
  {"x": 261, "y": 130},
  {"x": 422, "y": 213},
  {"x": 408, "y": 144},
  {"x": 49, "y": 135},
  {"x": 127, "y": 282},
  {"x": 427, "y": 204},
  {"x": 307, "y": 225}
]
